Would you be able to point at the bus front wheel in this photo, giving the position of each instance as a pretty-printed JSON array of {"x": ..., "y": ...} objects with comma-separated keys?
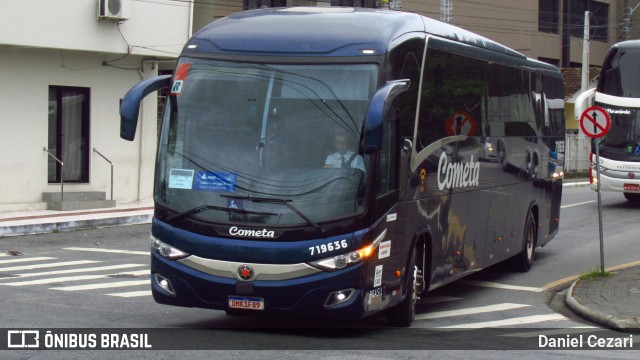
[{"x": 402, "y": 315}]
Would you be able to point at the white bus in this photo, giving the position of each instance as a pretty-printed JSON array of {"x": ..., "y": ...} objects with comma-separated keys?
[{"x": 618, "y": 92}]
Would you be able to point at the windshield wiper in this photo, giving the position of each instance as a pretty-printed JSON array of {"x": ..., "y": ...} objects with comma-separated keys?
[
  {"x": 202, "y": 208},
  {"x": 285, "y": 202}
]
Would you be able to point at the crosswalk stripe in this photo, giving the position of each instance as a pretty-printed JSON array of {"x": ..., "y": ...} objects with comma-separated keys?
[
  {"x": 81, "y": 270},
  {"x": 496, "y": 285},
  {"x": 70, "y": 278},
  {"x": 104, "y": 286},
  {"x": 13, "y": 261},
  {"x": 132, "y": 294},
  {"x": 508, "y": 322},
  {"x": 48, "y": 265},
  {"x": 437, "y": 299},
  {"x": 469, "y": 311},
  {"x": 128, "y": 252}
]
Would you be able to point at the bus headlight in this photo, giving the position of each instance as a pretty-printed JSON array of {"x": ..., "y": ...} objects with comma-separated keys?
[
  {"x": 343, "y": 260},
  {"x": 166, "y": 250}
]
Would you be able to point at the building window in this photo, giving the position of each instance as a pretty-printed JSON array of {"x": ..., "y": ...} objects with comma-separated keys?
[
  {"x": 69, "y": 133},
  {"x": 548, "y": 18},
  {"x": 598, "y": 24}
]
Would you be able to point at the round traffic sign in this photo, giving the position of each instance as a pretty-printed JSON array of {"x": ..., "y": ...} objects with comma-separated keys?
[
  {"x": 460, "y": 123},
  {"x": 595, "y": 122}
]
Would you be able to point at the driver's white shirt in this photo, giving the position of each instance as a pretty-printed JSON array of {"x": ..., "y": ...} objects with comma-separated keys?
[{"x": 335, "y": 160}]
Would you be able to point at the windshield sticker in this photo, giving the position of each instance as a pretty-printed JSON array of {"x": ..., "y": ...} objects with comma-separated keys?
[
  {"x": 214, "y": 181},
  {"x": 235, "y": 204},
  {"x": 180, "y": 179},
  {"x": 179, "y": 79},
  {"x": 392, "y": 217}
]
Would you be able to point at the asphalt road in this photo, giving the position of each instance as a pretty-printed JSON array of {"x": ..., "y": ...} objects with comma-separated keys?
[{"x": 89, "y": 281}]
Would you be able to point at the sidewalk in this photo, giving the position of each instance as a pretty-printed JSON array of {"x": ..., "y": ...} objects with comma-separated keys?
[
  {"x": 45, "y": 221},
  {"x": 613, "y": 302}
]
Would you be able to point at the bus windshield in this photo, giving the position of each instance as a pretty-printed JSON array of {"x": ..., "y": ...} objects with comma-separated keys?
[
  {"x": 622, "y": 141},
  {"x": 257, "y": 143},
  {"x": 620, "y": 72}
]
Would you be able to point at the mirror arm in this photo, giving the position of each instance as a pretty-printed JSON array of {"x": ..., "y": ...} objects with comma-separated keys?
[{"x": 130, "y": 107}]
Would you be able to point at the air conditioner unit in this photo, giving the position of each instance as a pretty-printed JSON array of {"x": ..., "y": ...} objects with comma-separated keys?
[{"x": 117, "y": 10}]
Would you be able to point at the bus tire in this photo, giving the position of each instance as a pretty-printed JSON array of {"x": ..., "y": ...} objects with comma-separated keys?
[
  {"x": 523, "y": 261},
  {"x": 532, "y": 165},
  {"x": 501, "y": 153},
  {"x": 632, "y": 197},
  {"x": 402, "y": 315}
]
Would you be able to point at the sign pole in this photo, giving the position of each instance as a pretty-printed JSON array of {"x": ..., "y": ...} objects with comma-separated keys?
[
  {"x": 599, "y": 206},
  {"x": 601, "y": 126}
]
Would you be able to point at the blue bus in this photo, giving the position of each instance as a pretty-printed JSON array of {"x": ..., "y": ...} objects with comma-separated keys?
[{"x": 331, "y": 162}]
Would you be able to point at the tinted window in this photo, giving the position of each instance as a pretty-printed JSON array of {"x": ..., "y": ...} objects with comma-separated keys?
[{"x": 451, "y": 97}]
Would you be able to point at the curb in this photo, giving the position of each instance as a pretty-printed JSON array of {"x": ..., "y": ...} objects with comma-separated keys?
[
  {"x": 598, "y": 316},
  {"x": 58, "y": 224}
]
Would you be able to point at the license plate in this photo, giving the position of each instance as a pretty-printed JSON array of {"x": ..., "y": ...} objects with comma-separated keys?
[
  {"x": 632, "y": 187},
  {"x": 246, "y": 302}
]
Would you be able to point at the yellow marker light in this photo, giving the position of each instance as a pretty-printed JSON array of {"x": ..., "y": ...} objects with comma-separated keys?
[{"x": 365, "y": 252}]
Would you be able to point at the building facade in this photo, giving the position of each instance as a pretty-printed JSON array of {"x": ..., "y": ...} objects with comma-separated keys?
[{"x": 64, "y": 71}]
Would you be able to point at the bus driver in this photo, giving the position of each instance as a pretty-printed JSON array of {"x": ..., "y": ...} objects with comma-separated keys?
[{"x": 343, "y": 157}]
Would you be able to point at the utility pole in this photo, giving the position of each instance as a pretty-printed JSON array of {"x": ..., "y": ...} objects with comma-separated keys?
[
  {"x": 446, "y": 10},
  {"x": 585, "y": 54},
  {"x": 627, "y": 12},
  {"x": 626, "y": 20}
]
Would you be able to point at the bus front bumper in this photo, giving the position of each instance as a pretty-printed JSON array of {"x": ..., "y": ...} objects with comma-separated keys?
[
  {"x": 315, "y": 295},
  {"x": 617, "y": 184}
]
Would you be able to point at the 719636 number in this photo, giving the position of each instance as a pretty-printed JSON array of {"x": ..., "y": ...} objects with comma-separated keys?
[{"x": 328, "y": 247}]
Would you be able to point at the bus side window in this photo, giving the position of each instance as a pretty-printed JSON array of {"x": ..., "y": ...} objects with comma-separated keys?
[{"x": 453, "y": 87}]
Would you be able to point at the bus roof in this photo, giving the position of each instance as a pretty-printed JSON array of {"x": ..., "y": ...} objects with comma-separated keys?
[
  {"x": 629, "y": 44},
  {"x": 336, "y": 31}
]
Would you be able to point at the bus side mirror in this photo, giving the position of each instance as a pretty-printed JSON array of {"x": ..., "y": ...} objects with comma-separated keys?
[
  {"x": 579, "y": 106},
  {"x": 379, "y": 108},
  {"x": 130, "y": 106}
]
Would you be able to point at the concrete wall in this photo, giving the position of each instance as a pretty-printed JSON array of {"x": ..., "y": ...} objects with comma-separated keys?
[
  {"x": 155, "y": 28},
  {"x": 61, "y": 42},
  {"x": 27, "y": 74},
  {"x": 515, "y": 24}
]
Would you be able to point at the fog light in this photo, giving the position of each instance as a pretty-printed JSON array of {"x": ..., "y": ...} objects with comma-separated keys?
[
  {"x": 165, "y": 284},
  {"x": 338, "y": 297}
]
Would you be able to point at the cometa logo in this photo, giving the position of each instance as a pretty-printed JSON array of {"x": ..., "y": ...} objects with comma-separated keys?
[
  {"x": 457, "y": 175},
  {"x": 251, "y": 233}
]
